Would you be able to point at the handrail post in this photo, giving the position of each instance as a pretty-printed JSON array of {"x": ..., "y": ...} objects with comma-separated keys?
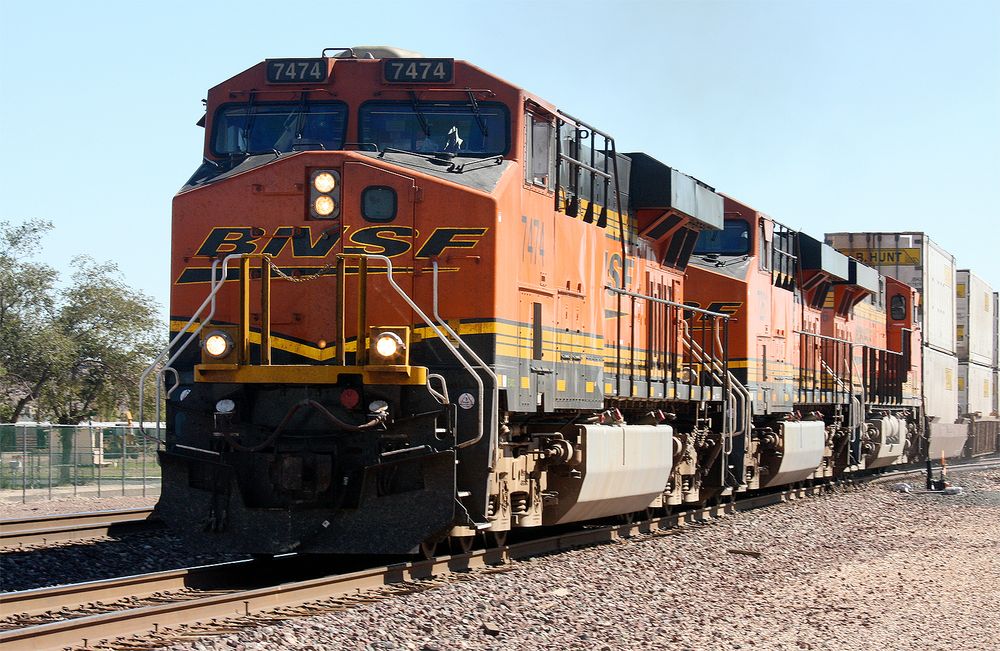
[
  {"x": 265, "y": 311},
  {"x": 245, "y": 309},
  {"x": 360, "y": 356},
  {"x": 340, "y": 338}
]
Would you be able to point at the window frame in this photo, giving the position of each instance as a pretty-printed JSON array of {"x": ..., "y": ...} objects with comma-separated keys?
[
  {"x": 547, "y": 182},
  {"x": 293, "y": 104},
  {"x": 395, "y": 204},
  {"x": 746, "y": 230},
  {"x": 366, "y": 105}
]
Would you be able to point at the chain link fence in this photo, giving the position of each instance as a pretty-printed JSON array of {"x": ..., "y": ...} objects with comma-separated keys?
[{"x": 43, "y": 461}]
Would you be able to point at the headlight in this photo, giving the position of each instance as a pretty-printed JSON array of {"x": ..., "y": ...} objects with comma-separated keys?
[
  {"x": 388, "y": 344},
  {"x": 218, "y": 344},
  {"x": 324, "y": 182},
  {"x": 225, "y": 406},
  {"x": 324, "y": 194},
  {"x": 324, "y": 206}
]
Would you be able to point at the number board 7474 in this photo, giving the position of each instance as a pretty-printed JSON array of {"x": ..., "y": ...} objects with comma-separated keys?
[{"x": 418, "y": 71}]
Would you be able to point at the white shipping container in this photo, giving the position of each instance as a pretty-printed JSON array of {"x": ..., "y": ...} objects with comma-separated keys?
[
  {"x": 996, "y": 392},
  {"x": 996, "y": 330},
  {"x": 914, "y": 259},
  {"x": 975, "y": 389},
  {"x": 940, "y": 385},
  {"x": 975, "y": 338}
]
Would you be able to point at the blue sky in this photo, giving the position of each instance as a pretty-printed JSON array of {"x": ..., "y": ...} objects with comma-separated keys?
[{"x": 830, "y": 116}]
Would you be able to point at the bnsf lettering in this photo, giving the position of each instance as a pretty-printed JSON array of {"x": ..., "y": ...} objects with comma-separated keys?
[
  {"x": 279, "y": 240},
  {"x": 223, "y": 241},
  {"x": 719, "y": 307},
  {"x": 390, "y": 241},
  {"x": 448, "y": 238},
  {"x": 381, "y": 240},
  {"x": 304, "y": 246},
  {"x": 614, "y": 265},
  {"x": 303, "y": 243}
]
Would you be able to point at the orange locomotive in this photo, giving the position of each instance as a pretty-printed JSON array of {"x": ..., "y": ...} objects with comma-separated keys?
[
  {"x": 414, "y": 303},
  {"x": 833, "y": 379}
]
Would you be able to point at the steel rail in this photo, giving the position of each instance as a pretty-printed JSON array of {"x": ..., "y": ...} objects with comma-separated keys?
[
  {"x": 18, "y": 532},
  {"x": 75, "y": 595}
]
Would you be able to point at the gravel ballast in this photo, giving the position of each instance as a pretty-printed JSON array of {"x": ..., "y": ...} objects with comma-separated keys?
[
  {"x": 867, "y": 568},
  {"x": 12, "y": 510},
  {"x": 99, "y": 558}
]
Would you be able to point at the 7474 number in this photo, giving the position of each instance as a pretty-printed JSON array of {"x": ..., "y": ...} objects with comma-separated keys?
[{"x": 416, "y": 71}]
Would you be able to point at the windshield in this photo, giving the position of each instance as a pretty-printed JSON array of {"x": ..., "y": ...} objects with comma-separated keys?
[
  {"x": 733, "y": 239},
  {"x": 427, "y": 127},
  {"x": 260, "y": 128}
]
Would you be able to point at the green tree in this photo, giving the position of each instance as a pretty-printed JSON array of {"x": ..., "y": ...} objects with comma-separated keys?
[
  {"x": 72, "y": 352},
  {"x": 29, "y": 349},
  {"x": 108, "y": 333}
]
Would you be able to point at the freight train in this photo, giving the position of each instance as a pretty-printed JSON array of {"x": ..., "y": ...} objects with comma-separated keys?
[{"x": 414, "y": 304}]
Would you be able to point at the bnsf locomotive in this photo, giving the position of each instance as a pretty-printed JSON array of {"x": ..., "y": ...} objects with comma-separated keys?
[{"x": 416, "y": 304}]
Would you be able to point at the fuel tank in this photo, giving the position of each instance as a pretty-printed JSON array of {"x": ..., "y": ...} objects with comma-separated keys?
[{"x": 622, "y": 470}]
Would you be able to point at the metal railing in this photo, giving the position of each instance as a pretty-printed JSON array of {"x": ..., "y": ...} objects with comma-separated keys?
[
  {"x": 200, "y": 319},
  {"x": 44, "y": 461}
]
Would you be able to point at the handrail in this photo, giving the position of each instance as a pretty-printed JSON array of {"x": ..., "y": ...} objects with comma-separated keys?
[
  {"x": 668, "y": 302},
  {"x": 855, "y": 408},
  {"x": 494, "y": 416},
  {"x": 715, "y": 368},
  {"x": 209, "y": 302},
  {"x": 845, "y": 341},
  {"x": 589, "y": 168},
  {"x": 747, "y": 425},
  {"x": 443, "y": 338}
]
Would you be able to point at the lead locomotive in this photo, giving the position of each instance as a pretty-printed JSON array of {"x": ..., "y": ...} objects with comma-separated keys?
[{"x": 414, "y": 303}]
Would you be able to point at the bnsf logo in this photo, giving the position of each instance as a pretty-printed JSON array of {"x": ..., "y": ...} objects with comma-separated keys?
[
  {"x": 389, "y": 241},
  {"x": 730, "y": 308}
]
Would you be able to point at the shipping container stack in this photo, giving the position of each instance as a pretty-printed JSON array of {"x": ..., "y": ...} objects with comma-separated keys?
[
  {"x": 996, "y": 353},
  {"x": 975, "y": 342},
  {"x": 915, "y": 259}
]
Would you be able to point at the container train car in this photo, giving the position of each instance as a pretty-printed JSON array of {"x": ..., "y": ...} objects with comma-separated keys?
[
  {"x": 414, "y": 304},
  {"x": 959, "y": 321}
]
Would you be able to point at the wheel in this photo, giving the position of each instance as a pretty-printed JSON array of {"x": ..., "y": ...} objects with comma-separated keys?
[
  {"x": 428, "y": 549},
  {"x": 462, "y": 544},
  {"x": 496, "y": 539}
]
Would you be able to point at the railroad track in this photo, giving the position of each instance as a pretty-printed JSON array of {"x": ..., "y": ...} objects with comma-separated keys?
[
  {"x": 149, "y": 604},
  {"x": 26, "y": 532},
  {"x": 152, "y": 602}
]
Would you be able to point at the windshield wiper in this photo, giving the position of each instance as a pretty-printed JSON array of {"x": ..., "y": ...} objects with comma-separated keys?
[
  {"x": 248, "y": 124},
  {"x": 475, "y": 111},
  {"x": 420, "y": 116},
  {"x": 392, "y": 150},
  {"x": 458, "y": 168}
]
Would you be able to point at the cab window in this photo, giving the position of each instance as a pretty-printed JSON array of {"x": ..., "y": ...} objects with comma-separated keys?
[
  {"x": 539, "y": 151},
  {"x": 459, "y": 128},
  {"x": 897, "y": 307},
  {"x": 260, "y": 128},
  {"x": 733, "y": 239}
]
